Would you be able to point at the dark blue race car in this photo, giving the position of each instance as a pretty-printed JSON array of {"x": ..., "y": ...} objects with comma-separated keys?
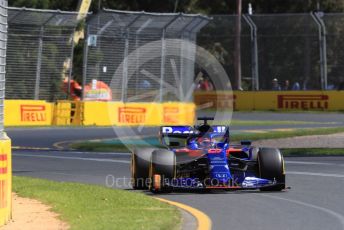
[{"x": 202, "y": 157}]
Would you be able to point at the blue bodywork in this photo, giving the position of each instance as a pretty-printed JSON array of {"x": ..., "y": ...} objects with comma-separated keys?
[{"x": 219, "y": 167}]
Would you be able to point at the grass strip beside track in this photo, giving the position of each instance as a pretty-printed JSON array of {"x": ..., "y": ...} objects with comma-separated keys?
[
  {"x": 265, "y": 122},
  {"x": 95, "y": 207},
  {"x": 313, "y": 152},
  {"x": 288, "y": 133},
  {"x": 116, "y": 145}
]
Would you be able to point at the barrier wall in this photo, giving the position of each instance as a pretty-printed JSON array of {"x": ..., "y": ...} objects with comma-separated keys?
[
  {"x": 28, "y": 113},
  {"x": 132, "y": 114},
  {"x": 5, "y": 180},
  {"x": 272, "y": 100},
  {"x": 42, "y": 113}
]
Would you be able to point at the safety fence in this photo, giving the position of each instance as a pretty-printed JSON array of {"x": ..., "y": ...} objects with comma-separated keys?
[
  {"x": 304, "y": 49},
  {"x": 40, "y": 50},
  {"x": 141, "y": 55}
]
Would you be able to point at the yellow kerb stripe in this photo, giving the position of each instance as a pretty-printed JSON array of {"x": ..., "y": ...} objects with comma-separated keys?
[{"x": 203, "y": 221}]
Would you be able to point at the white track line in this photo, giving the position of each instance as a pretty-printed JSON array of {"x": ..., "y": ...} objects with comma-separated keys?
[
  {"x": 73, "y": 158},
  {"x": 311, "y": 163},
  {"x": 316, "y": 174}
]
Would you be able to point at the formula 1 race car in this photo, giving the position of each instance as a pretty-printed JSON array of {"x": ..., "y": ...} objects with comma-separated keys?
[{"x": 202, "y": 157}]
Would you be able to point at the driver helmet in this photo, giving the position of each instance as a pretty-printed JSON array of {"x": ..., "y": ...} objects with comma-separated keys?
[{"x": 204, "y": 142}]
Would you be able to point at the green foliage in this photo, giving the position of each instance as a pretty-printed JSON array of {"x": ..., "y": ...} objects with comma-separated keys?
[
  {"x": 313, "y": 152},
  {"x": 281, "y": 56},
  {"x": 191, "y": 6},
  {"x": 45, "y": 4}
]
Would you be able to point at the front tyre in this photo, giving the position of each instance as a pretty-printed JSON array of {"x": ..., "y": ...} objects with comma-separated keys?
[
  {"x": 162, "y": 170},
  {"x": 271, "y": 167},
  {"x": 140, "y": 163}
]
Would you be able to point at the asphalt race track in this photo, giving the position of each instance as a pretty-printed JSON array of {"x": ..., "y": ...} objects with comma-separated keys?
[{"x": 315, "y": 200}]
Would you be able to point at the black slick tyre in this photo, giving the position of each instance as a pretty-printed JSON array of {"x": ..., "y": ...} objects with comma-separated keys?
[
  {"x": 140, "y": 163},
  {"x": 271, "y": 167},
  {"x": 162, "y": 170}
]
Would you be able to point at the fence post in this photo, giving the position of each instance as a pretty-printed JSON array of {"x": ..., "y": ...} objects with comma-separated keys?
[
  {"x": 163, "y": 56},
  {"x": 71, "y": 65},
  {"x": 125, "y": 68},
  {"x": 3, "y": 45},
  {"x": 184, "y": 84},
  {"x": 5, "y": 142},
  {"x": 317, "y": 17},
  {"x": 39, "y": 63},
  {"x": 125, "y": 60},
  {"x": 254, "y": 52},
  {"x": 162, "y": 66},
  {"x": 84, "y": 64}
]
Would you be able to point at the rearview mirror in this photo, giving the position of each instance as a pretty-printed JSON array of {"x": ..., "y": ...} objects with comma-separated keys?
[
  {"x": 247, "y": 143},
  {"x": 174, "y": 144}
]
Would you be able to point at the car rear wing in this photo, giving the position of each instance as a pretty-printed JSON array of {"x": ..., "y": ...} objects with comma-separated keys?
[
  {"x": 176, "y": 131},
  {"x": 175, "y": 136},
  {"x": 187, "y": 130}
]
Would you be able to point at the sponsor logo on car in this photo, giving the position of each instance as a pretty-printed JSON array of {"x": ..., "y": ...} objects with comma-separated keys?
[
  {"x": 176, "y": 129},
  {"x": 131, "y": 115},
  {"x": 221, "y": 175},
  {"x": 304, "y": 102},
  {"x": 33, "y": 113},
  {"x": 188, "y": 129}
]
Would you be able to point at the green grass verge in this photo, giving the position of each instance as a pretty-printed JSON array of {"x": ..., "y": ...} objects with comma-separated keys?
[
  {"x": 266, "y": 123},
  {"x": 313, "y": 152},
  {"x": 102, "y": 147},
  {"x": 95, "y": 207},
  {"x": 285, "y": 134},
  {"x": 117, "y": 146}
]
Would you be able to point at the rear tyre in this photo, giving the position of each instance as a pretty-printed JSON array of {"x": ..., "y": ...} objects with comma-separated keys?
[
  {"x": 162, "y": 170},
  {"x": 271, "y": 167},
  {"x": 140, "y": 163}
]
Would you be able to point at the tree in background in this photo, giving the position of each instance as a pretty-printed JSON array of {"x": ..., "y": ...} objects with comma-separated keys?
[
  {"x": 276, "y": 48},
  {"x": 191, "y": 6}
]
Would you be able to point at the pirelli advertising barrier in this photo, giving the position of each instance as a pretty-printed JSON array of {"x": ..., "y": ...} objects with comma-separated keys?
[
  {"x": 5, "y": 180},
  {"x": 28, "y": 113},
  {"x": 133, "y": 114},
  {"x": 272, "y": 100},
  {"x": 42, "y": 113}
]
